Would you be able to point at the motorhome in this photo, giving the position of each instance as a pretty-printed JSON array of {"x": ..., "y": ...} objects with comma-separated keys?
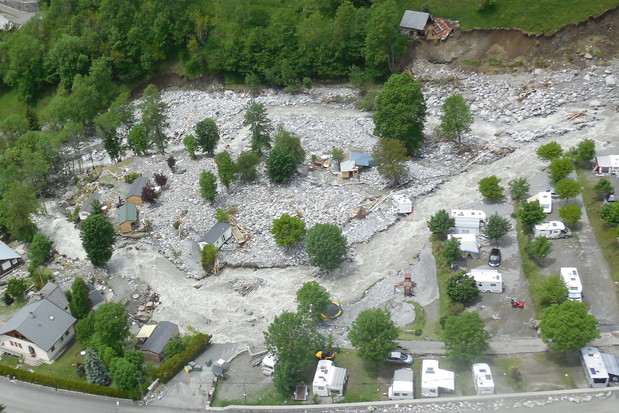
[
  {"x": 482, "y": 378},
  {"x": 268, "y": 364},
  {"x": 403, "y": 385},
  {"x": 595, "y": 369},
  {"x": 544, "y": 199},
  {"x": 469, "y": 213},
  {"x": 487, "y": 280},
  {"x": 572, "y": 282},
  {"x": 402, "y": 204},
  {"x": 329, "y": 379},
  {"x": 552, "y": 230}
]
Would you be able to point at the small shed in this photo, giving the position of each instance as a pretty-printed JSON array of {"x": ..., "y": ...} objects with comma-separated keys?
[
  {"x": 87, "y": 205},
  {"x": 217, "y": 236},
  {"x": 414, "y": 22},
  {"x": 9, "y": 259},
  {"x": 127, "y": 217},
  {"x": 156, "y": 342},
  {"x": 134, "y": 196}
]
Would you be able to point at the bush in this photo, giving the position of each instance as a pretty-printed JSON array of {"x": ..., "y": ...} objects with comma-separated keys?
[
  {"x": 160, "y": 179},
  {"x": 209, "y": 255},
  {"x": 171, "y": 162},
  {"x": 490, "y": 189},
  {"x": 195, "y": 345},
  {"x": 131, "y": 176},
  {"x": 222, "y": 214},
  {"x": 149, "y": 194},
  {"x": 39, "y": 250},
  {"x": 462, "y": 288}
]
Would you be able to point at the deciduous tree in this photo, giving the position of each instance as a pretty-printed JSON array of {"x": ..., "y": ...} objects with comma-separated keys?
[
  {"x": 207, "y": 135},
  {"x": 190, "y": 144},
  {"x": 539, "y": 248},
  {"x": 551, "y": 290},
  {"x": 390, "y": 154},
  {"x": 16, "y": 287},
  {"x": 548, "y": 152},
  {"x": 491, "y": 189},
  {"x": 281, "y": 165},
  {"x": 456, "y": 118},
  {"x": 441, "y": 222},
  {"x": 373, "y": 334},
  {"x": 560, "y": 168},
  {"x": 568, "y": 326},
  {"x": 383, "y": 42},
  {"x": 570, "y": 213},
  {"x": 97, "y": 234},
  {"x": 246, "y": 166},
  {"x": 39, "y": 251},
  {"x": 325, "y": 245},
  {"x": 531, "y": 213},
  {"x": 154, "y": 118},
  {"x": 17, "y": 204},
  {"x": 138, "y": 140},
  {"x": 603, "y": 188},
  {"x": 80, "y": 304},
  {"x": 401, "y": 112},
  {"x": 312, "y": 299},
  {"x": 111, "y": 327},
  {"x": 226, "y": 169},
  {"x": 583, "y": 152},
  {"x": 451, "y": 251},
  {"x": 288, "y": 230},
  {"x": 208, "y": 186},
  {"x": 567, "y": 188},
  {"x": 496, "y": 227},
  {"x": 209, "y": 255},
  {"x": 610, "y": 213},
  {"x": 259, "y": 126},
  {"x": 462, "y": 288},
  {"x": 519, "y": 188},
  {"x": 465, "y": 337}
]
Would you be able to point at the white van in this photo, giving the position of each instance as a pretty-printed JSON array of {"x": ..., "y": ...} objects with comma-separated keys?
[
  {"x": 469, "y": 213},
  {"x": 487, "y": 280},
  {"x": 552, "y": 230},
  {"x": 572, "y": 282}
]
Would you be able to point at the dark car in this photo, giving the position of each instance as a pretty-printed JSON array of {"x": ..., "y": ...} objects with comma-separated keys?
[
  {"x": 398, "y": 357},
  {"x": 494, "y": 259}
]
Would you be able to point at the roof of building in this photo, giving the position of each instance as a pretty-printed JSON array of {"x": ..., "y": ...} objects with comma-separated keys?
[
  {"x": 404, "y": 375},
  {"x": 215, "y": 233},
  {"x": 7, "y": 253},
  {"x": 348, "y": 166},
  {"x": 163, "y": 332},
  {"x": 41, "y": 322},
  {"x": 362, "y": 159},
  {"x": 53, "y": 293},
  {"x": 146, "y": 331},
  {"x": 94, "y": 295},
  {"x": 415, "y": 20},
  {"x": 433, "y": 377},
  {"x": 127, "y": 212},
  {"x": 611, "y": 161},
  {"x": 87, "y": 207},
  {"x": 136, "y": 187},
  {"x": 468, "y": 242}
]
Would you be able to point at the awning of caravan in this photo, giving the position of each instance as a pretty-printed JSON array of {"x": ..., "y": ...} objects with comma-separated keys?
[
  {"x": 445, "y": 379},
  {"x": 337, "y": 377},
  {"x": 612, "y": 363},
  {"x": 468, "y": 243}
]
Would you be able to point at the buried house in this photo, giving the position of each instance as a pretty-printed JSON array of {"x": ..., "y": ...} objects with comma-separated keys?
[
  {"x": 9, "y": 259},
  {"x": 216, "y": 236},
  {"x": 157, "y": 340},
  {"x": 134, "y": 195},
  {"x": 127, "y": 217}
]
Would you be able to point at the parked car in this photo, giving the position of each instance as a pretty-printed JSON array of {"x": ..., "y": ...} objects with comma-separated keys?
[
  {"x": 494, "y": 259},
  {"x": 398, "y": 357},
  {"x": 552, "y": 193},
  {"x": 610, "y": 199},
  {"x": 2, "y": 283}
]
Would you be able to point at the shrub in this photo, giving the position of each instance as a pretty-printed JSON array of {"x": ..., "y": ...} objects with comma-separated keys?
[
  {"x": 131, "y": 176},
  {"x": 160, "y": 179},
  {"x": 209, "y": 255},
  {"x": 171, "y": 162},
  {"x": 39, "y": 250},
  {"x": 149, "y": 194},
  {"x": 222, "y": 214},
  {"x": 195, "y": 345},
  {"x": 462, "y": 288},
  {"x": 490, "y": 189}
]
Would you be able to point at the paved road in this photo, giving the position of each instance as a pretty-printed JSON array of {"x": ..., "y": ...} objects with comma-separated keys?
[{"x": 16, "y": 16}]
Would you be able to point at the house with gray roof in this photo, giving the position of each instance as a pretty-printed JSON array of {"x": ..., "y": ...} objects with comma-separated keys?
[
  {"x": 9, "y": 259},
  {"x": 53, "y": 293},
  {"x": 217, "y": 236},
  {"x": 156, "y": 342},
  {"x": 95, "y": 296},
  {"x": 134, "y": 196},
  {"x": 40, "y": 332},
  {"x": 414, "y": 22},
  {"x": 87, "y": 205}
]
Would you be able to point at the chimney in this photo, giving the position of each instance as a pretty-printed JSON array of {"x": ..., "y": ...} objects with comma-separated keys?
[{"x": 31, "y": 314}]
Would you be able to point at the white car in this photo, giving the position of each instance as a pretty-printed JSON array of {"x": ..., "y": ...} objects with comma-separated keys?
[
  {"x": 398, "y": 357},
  {"x": 552, "y": 193}
]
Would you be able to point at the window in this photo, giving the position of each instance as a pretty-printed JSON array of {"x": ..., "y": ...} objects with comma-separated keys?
[
  {"x": 66, "y": 332},
  {"x": 19, "y": 345},
  {"x": 53, "y": 348},
  {"x": 61, "y": 338},
  {"x": 13, "y": 344}
]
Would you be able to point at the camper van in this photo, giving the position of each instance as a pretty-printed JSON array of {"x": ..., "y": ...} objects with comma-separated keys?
[
  {"x": 595, "y": 369},
  {"x": 544, "y": 199},
  {"x": 268, "y": 364},
  {"x": 572, "y": 282},
  {"x": 469, "y": 213},
  {"x": 552, "y": 230},
  {"x": 329, "y": 379},
  {"x": 487, "y": 280},
  {"x": 402, "y": 204},
  {"x": 403, "y": 385},
  {"x": 482, "y": 377}
]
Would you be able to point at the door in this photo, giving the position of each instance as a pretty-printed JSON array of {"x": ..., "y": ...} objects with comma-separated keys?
[{"x": 32, "y": 352}]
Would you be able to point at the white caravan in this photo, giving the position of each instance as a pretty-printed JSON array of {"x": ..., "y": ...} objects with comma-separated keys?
[
  {"x": 433, "y": 378},
  {"x": 329, "y": 380},
  {"x": 469, "y": 213},
  {"x": 403, "y": 385},
  {"x": 544, "y": 199},
  {"x": 552, "y": 230},
  {"x": 487, "y": 280},
  {"x": 268, "y": 364},
  {"x": 595, "y": 369},
  {"x": 402, "y": 204},
  {"x": 482, "y": 378},
  {"x": 572, "y": 282}
]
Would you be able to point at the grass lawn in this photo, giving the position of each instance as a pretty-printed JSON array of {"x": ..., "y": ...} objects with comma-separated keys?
[
  {"x": 64, "y": 366},
  {"x": 510, "y": 366},
  {"x": 365, "y": 382},
  {"x": 420, "y": 324},
  {"x": 13, "y": 307},
  {"x": 532, "y": 16}
]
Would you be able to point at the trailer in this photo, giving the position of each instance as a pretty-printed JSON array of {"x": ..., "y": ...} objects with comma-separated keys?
[
  {"x": 469, "y": 213},
  {"x": 482, "y": 378},
  {"x": 544, "y": 199},
  {"x": 402, "y": 204},
  {"x": 595, "y": 369},
  {"x": 552, "y": 230},
  {"x": 572, "y": 282},
  {"x": 487, "y": 280},
  {"x": 402, "y": 386}
]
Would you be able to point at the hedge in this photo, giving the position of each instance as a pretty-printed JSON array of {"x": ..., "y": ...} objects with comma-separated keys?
[
  {"x": 61, "y": 383},
  {"x": 196, "y": 344}
]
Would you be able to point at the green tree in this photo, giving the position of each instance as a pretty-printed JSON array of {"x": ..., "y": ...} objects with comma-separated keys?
[
  {"x": 531, "y": 213},
  {"x": 208, "y": 186},
  {"x": 373, "y": 334},
  {"x": 312, "y": 300},
  {"x": 548, "y": 152},
  {"x": 441, "y": 222},
  {"x": 496, "y": 227},
  {"x": 567, "y": 188},
  {"x": 462, "y": 288},
  {"x": 560, "y": 168},
  {"x": 610, "y": 213},
  {"x": 226, "y": 169},
  {"x": 17, "y": 204},
  {"x": 286, "y": 376},
  {"x": 209, "y": 256},
  {"x": 603, "y": 188},
  {"x": 39, "y": 251},
  {"x": 465, "y": 337},
  {"x": 175, "y": 346},
  {"x": 190, "y": 143},
  {"x": 111, "y": 327},
  {"x": 280, "y": 165},
  {"x": 259, "y": 126},
  {"x": 138, "y": 140},
  {"x": 568, "y": 326},
  {"x": 16, "y": 288},
  {"x": 154, "y": 118},
  {"x": 551, "y": 290},
  {"x": 124, "y": 374},
  {"x": 207, "y": 135},
  {"x": 583, "y": 152},
  {"x": 401, "y": 112},
  {"x": 451, "y": 251},
  {"x": 383, "y": 42},
  {"x": 85, "y": 328},
  {"x": 112, "y": 124},
  {"x": 288, "y": 230},
  {"x": 97, "y": 234},
  {"x": 570, "y": 214},
  {"x": 246, "y": 166},
  {"x": 456, "y": 118},
  {"x": 23, "y": 66},
  {"x": 491, "y": 189},
  {"x": 325, "y": 245},
  {"x": 67, "y": 58},
  {"x": 338, "y": 156},
  {"x": 539, "y": 248},
  {"x": 222, "y": 214},
  {"x": 291, "y": 142},
  {"x": 80, "y": 304},
  {"x": 96, "y": 373},
  {"x": 390, "y": 154},
  {"x": 519, "y": 188}
]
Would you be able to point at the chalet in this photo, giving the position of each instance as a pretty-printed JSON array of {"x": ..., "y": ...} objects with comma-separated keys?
[
  {"x": 134, "y": 196},
  {"x": 127, "y": 217},
  {"x": 217, "y": 236},
  {"x": 9, "y": 259},
  {"x": 87, "y": 205},
  {"x": 155, "y": 343},
  {"x": 414, "y": 22},
  {"x": 54, "y": 294},
  {"x": 608, "y": 164},
  {"x": 40, "y": 332}
]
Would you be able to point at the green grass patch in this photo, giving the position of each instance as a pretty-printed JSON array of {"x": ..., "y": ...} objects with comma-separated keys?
[
  {"x": 529, "y": 267},
  {"x": 606, "y": 236},
  {"x": 64, "y": 367},
  {"x": 13, "y": 307},
  {"x": 474, "y": 63},
  {"x": 495, "y": 62},
  {"x": 531, "y": 16},
  {"x": 265, "y": 397},
  {"x": 562, "y": 363},
  {"x": 415, "y": 330},
  {"x": 9, "y": 361},
  {"x": 364, "y": 379},
  {"x": 511, "y": 367}
]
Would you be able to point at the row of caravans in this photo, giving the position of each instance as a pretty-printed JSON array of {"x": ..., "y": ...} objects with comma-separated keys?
[{"x": 601, "y": 369}]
